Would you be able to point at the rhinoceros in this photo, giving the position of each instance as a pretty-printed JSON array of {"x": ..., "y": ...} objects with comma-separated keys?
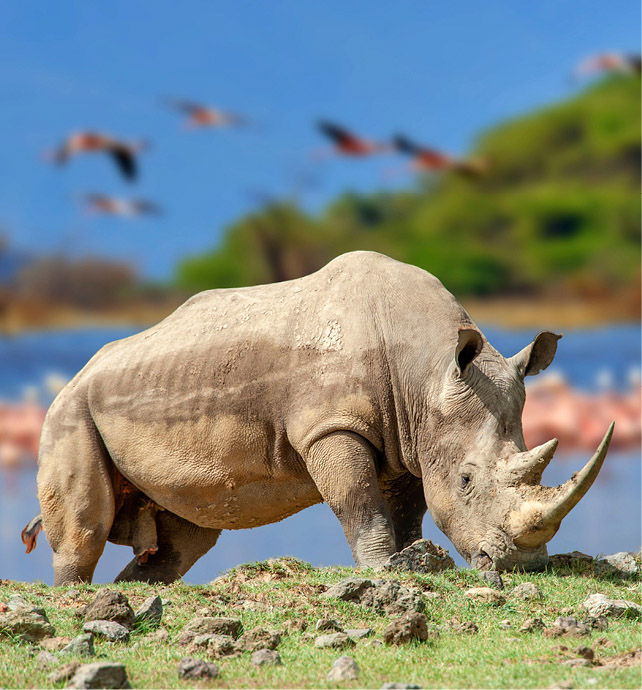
[{"x": 365, "y": 385}]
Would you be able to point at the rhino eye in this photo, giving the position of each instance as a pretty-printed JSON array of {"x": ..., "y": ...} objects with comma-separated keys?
[{"x": 465, "y": 482}]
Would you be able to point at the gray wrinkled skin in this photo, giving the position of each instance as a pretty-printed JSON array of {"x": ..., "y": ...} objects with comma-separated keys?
[{"x": 365, "y": 385}]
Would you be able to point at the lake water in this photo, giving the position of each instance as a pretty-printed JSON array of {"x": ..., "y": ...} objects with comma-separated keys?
[{"x": 605, "y": 521}]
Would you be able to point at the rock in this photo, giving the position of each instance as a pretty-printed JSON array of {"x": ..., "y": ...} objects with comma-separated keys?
[
  {"x": 218, "y": 645},
  {"x": 196, "y": 669},
  {"x": 110, "y": 605},
  {"x": 17, "y": 602},
  {"x": 562, "y": 685},
  {"x": 101, "y": 675},
  {"x": 207, "y": 625},
  {"x": 333, "y": 641},
  {"x": 412, "y": 626},
  {"x": 505, "y": 624},
  {"x": 266, "y": 657},
  {"x": 585, "y": 653},
  {"x": 64, "y": 673},
  {"x": 531, "y": 625},
  {"x": 600, "y": 623},
  {"x": 344, "y": 668},
  {"x": 466, "y": 627},
  {"x": 259, "y": 638},
  {"x": 375, "y": 643},
  {"x": 571, "y": 627},
  {"x": 110, "y": 630},
  {"x": 492, "y": 578},
  {"x": 382, "y": 595},
  {"x": 422, "y": 556},
  {"x": 83, "y": 645},
  {"x": 486, "y": 595},
  {"x": 624, "y": 562},
  {"x": 526, "y": 591},
  {"x": 150, "y": 612},
  {"x": 349, "y": 589},
  {"x": 567, "y": 559},
  {"x": 44, "y": 659},
  {"x": 400, "y": 686},
  {"x": 359, "y": 633},
  {"x": 54, "y": 644},
  {"x": 298, "y": 625},
  {"x": 24, "y": 624},
  {"x": 328, "y": 624},
  {"x": 600, "y": 605},
  {"x": 577, "y": 662}
]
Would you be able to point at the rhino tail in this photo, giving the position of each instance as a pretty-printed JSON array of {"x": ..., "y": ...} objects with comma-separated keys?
[{"x": 29, "y": 534}]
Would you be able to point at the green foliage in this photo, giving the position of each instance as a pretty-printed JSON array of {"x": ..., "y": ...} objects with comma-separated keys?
[{"x": 557, "y": 211}]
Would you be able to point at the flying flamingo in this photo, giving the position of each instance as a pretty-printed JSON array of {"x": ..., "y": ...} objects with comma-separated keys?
[
  {"x": 199, "y": 115},
  {"x": 122, "y": 152},
  {"x": 348, "y": 144},
  {"x": 609, "y": 62},
  {"x": 109, "y": 205},
  {"x": 426, "y": 159}
]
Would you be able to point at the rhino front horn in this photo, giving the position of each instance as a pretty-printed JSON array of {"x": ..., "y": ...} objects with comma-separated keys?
[{"x": 537, "y": 521}]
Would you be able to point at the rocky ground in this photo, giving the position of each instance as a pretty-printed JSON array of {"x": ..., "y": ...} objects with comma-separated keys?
[{"x": 418, "y": 622}]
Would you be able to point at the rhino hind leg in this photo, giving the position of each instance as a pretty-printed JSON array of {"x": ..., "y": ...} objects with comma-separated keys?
[
  {"x": 180, "y": 544},
  {"x": 407, "y": 507},
  {"x": 342, "y": 465}
]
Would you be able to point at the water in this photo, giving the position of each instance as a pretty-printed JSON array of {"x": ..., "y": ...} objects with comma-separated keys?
[{"x": 605, "y": 521}]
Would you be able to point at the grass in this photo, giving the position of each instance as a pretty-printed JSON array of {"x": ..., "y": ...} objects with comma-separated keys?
[{"x": 288, "y": 590}]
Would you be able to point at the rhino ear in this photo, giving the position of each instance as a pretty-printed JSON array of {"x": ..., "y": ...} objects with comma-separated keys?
[
  {"x": 469, "y": 345},
  {"x": 536, "y": 356}
]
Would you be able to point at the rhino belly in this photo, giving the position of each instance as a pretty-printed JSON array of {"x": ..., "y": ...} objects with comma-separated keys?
[{"x": 224, "y": 473}]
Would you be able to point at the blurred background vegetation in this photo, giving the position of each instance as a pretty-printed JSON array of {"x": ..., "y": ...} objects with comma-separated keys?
[{"x": 557, "y": 214}]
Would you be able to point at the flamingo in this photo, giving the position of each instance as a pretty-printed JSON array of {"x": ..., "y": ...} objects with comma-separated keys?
[
  {"x": 199, "y": 115},
  {"x": 431, "y": 160},
  {"x": 122, "y": 152},
  {"x": 109, "y": 205},
  {"x": 347, "y": 143},
  {"x": 609, "y": 62}
]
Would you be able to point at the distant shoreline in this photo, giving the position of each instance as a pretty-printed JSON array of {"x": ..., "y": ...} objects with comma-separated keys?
[{"x": 505, "y": 312}]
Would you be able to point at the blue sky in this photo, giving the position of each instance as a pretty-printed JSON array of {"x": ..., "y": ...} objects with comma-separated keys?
[{"x": 439, "y": 71}]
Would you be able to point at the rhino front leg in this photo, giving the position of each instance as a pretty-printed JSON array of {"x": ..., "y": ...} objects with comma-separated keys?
[
  {"x": 180, "y": 544},
  {"x": 407, "y": 506},
  {"x": 343, "y": 468}
]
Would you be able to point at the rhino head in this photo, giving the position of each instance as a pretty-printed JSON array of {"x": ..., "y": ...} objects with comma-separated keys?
[{"x": 482, "y": 486}]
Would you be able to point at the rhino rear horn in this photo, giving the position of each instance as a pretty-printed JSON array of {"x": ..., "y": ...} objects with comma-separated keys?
[
  {"x": 536, "y": 356},
  {"x": 528, "y": 467}
]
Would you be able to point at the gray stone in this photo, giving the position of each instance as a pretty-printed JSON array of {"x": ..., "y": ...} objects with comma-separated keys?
[
  {"x": 531, "y": 625},
  {"x": 486, "y": 595},
  {"x": 110, "y": 605},
  {"x": 101, "y": 675},
  {"x": 54, "y": 644},
  {"x": 333, "y": 641},
  {"x": 64, "y": 673},
  {"x": 623, "y": 562},
  {"x": 328, "y": 624},
  {"x": 526, "y": 591},
  {"x": 110, "y": 630},
  {"x": 577, "y": 662},
  {"x": 214, "y": 626},
  {"x": 260, "y": 638},
  {"x": 151, "y": 612},
  {"x": 83, "y": 645},
  {"x": 400, "y": 686},
  {"x": 344, "y": 668},
  {"x": 422, "y": 556},
  {"x": 17, "y": 602},
  {"x": 505, "y": 624},
  {"x": 600, "y": 605},
  {"x": 44, "y": 659},
  {"x": 266, "y": 657},
  {"x": 25, "y": 624},
  {"x": 492, "y": 578},
  {"x": 196, "y": 669},
  {"x": 349, "y": 589},
  {"x": 219, "y": 645},
  {"x": 567, "y": 559},
  {"x": 359, "y": 633},
  {"x": 159, "y": 635},
  {"x": 600, "y": 623},
  {"x": 411, "y": 626},
  {"x": 466, "y": 627}
]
